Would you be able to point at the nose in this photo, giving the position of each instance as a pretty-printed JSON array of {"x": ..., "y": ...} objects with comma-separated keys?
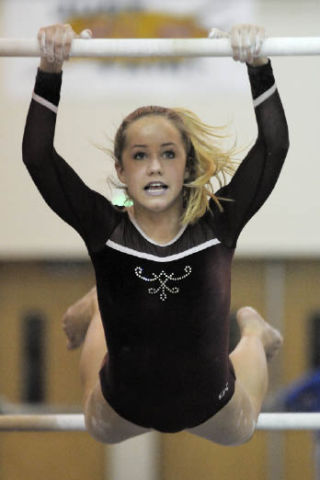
[{"x": 154, "y": 166}]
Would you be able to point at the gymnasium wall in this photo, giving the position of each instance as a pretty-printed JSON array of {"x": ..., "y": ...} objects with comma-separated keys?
[
  {"x": 95, "y": 98},
  {"x": 39, "y": 254}
]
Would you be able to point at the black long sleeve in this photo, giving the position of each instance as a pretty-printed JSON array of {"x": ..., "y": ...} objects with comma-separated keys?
[
  {"x": 257, "y": 175},
  {"x": 93, "y": 216},
  {"x": 84, "y": 209}
]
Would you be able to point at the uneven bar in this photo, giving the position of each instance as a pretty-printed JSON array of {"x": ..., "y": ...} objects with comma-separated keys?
[
  {"x": 289, "y": 421},
  {"x": 160, "y": 47},
  {"x": 42, "y": 423},
  {"x": 75, "y": 422}
]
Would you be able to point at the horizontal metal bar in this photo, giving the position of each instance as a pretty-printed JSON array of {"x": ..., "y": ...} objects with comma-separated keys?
[
  {"x": 289, "y": 421},
  {"x": 75, "y": 422},
  {"x": 160, "y": 47}
]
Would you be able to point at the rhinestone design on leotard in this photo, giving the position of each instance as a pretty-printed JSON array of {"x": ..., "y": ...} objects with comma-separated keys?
[
  {"x": 224, "y": 391},
  {"x": 163, "y": 278}
]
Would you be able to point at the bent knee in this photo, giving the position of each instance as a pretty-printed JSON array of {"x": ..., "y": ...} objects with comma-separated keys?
[
  {"x": 243, "y": 435},
  {"x": 103, "y": 431},
  {"x": 103, "y": 423}
]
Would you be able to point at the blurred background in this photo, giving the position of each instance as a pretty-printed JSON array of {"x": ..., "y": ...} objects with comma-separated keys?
[{"x": 44, "y": 266}]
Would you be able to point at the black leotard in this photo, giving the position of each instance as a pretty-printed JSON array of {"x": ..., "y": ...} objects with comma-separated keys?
[{"x": 164, "y": 308}]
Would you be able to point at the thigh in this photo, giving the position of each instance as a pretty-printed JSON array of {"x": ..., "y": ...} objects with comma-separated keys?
[
  {"x": 103, "y": 423},
  {"x": 234, "y": 424}
]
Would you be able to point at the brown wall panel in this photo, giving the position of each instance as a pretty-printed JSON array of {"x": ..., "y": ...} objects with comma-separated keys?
[
  {"x": 47, "y": 288},
  {"x": 302, "y": 299},
  {"x": 51, "y": 288},
  {"x": 186, "y": 457}
]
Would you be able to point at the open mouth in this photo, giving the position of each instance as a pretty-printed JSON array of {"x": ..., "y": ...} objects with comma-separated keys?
[{"x": 156, "y": 188}]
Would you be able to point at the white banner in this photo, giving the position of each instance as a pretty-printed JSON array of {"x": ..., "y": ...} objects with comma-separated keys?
[{"x": 126, "y": 18}]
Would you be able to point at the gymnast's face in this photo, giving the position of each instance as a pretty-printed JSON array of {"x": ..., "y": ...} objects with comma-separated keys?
[{"x": 153, "y": 165}]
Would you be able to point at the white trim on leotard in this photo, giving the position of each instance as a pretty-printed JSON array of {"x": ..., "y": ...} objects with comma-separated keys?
[
  {"x": 145, "y": 236},
  {"x": 264, "y": 95},
  {"x": 169, "y": 258},
  {"x": 45, "y": 102}
]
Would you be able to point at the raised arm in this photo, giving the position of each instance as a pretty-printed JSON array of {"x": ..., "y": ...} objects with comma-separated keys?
[
  {"x": 84, "y": 209},
  {"x": 258, "y": 173}
]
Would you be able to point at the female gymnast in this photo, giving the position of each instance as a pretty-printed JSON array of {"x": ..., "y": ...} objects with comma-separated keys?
[{"x": 163, "y": 265}]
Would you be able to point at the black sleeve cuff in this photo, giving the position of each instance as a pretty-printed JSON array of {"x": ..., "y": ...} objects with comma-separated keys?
[
  {"x": 261, "y": 78},
  {"x": 48, "y": 86}
]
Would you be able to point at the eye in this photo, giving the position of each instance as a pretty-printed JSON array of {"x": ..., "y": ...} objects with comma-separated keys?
[
  {"x": 169, "y": 154},
  {"x": 139, "y": 155}
]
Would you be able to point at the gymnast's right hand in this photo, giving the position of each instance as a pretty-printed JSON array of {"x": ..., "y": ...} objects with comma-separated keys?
[{"x": 55, "y": 44}]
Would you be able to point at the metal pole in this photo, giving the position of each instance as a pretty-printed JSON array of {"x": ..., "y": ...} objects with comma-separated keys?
[
  {"x": 75, "y": 422},
  {"x": 186, "y": 47}
]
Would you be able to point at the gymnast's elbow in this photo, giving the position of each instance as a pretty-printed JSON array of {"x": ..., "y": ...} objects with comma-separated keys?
[
  {"x": 280, "y": 151},
  {"x": 282, "y": 141},
  {"x": 28, "y": 148},
  {"x": 278, "y": 148},
  {"x": 33, "y": 151},
  {"x": 285, "y": 144}
]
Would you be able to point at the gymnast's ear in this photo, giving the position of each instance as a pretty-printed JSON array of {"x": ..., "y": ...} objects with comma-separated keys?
[
  {"x": 120, "y": 171},
  {"x": 189, "y": 167}
]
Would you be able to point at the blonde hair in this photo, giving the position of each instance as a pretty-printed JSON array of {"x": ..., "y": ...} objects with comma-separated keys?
[{"x": 205, "y": 158}]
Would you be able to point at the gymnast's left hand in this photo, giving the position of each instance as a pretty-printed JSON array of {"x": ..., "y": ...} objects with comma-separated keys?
[{"x": 246, "y": 42}]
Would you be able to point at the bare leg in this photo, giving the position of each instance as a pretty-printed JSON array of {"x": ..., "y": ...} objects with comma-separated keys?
[
  {"x": 258, "y": 344},
  {"x": 102, "y": 422},
  {"x": 77, "y": 318},
  {"x": 93, "y": 351},
  {"x": 235, "y": 423}
]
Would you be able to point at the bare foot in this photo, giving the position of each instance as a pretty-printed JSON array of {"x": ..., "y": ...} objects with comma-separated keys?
[
  {"x": 251, "y": 323},
  {"x": 76, "y": 320}
]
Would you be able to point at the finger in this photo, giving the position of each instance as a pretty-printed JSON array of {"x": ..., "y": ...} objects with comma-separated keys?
[
  {"x": 260, "y": 37},
  {"x": 58, "y": 52},
  {"x": 253, "y": 38},
  {"x": 50, "y": 43},
  {"x": 68, "y": 27},
  {"x": 49, "y": 48},
  {"x": 42, "y": 42},
  {"x": 253, "y": 49},
  {"x": 236, "y": 43},
  {"x": 86, "y": 34},
  {"x": 247, "y": 41},
  {"x": 249, "y": 54},
  {"x": 236, "y": 54},
  {"x": 216, "y": 33},
  {"x": 243, "y": 54},
  {"x": 65, "y": 47},
  {"x": 68, "y": 36}
]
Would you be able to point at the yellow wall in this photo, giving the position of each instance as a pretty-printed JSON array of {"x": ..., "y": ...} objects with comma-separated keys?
[
  {"x": 51, "y": 288},
  {"x": 50, "y": 456},
  {"x": 276, "y": 456}
]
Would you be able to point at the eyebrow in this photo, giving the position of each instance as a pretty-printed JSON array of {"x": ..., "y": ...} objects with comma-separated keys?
[{"x": 162, "y": 145}]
